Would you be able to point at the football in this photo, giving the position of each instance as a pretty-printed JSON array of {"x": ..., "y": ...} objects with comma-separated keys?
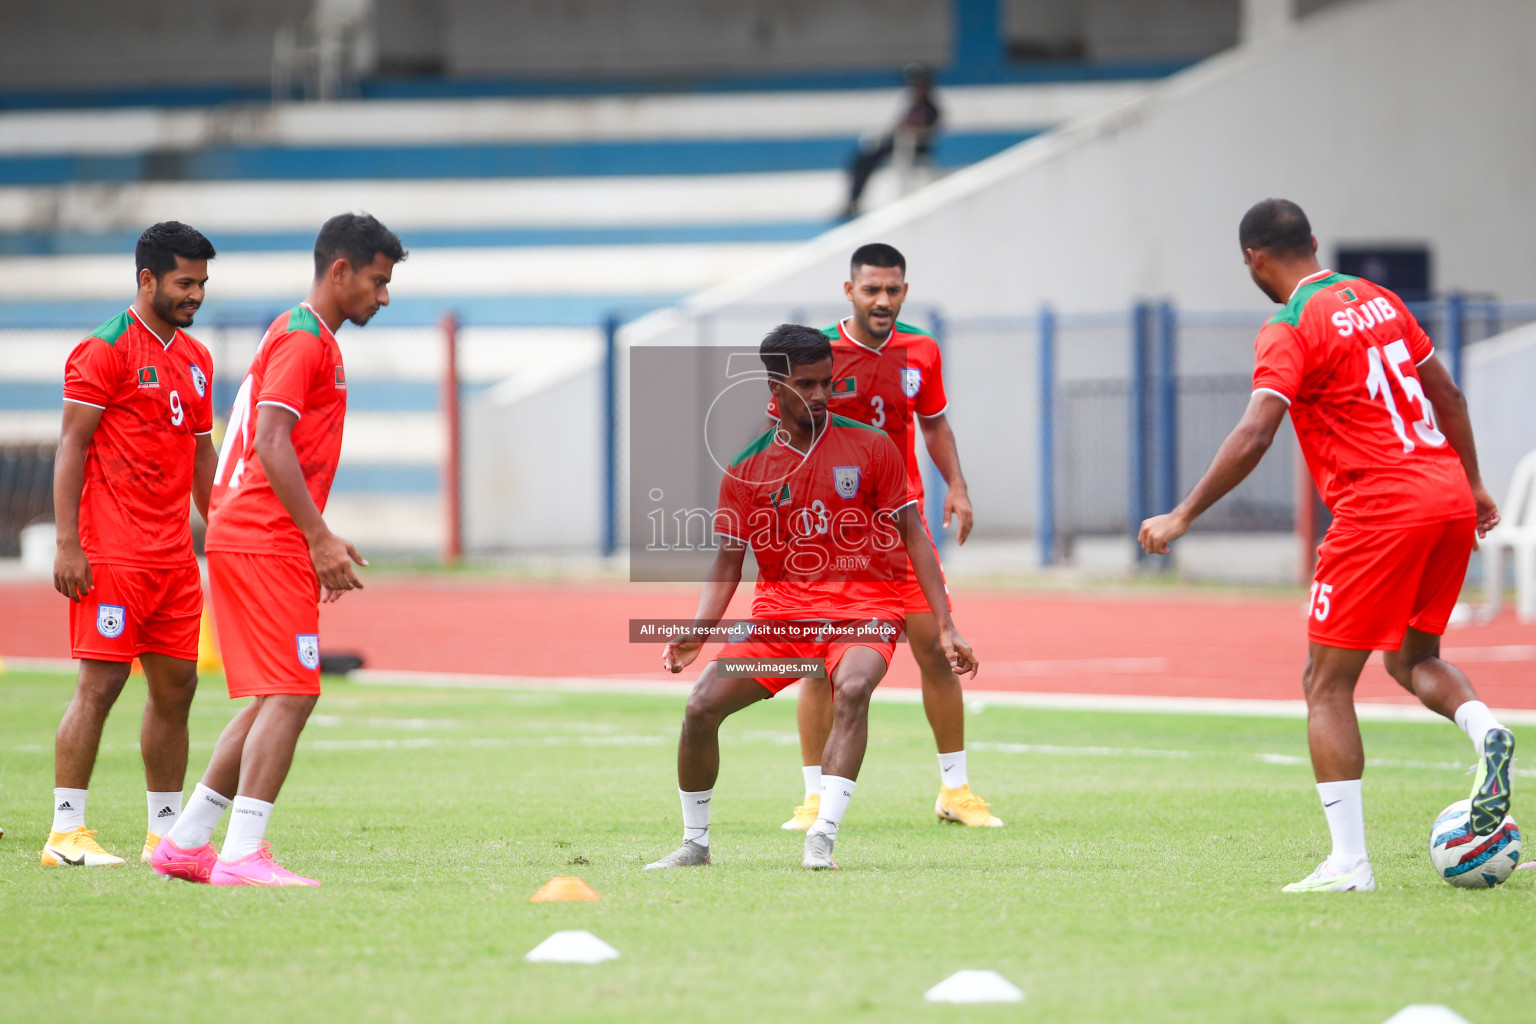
[{"x": 1469, "y": 861}]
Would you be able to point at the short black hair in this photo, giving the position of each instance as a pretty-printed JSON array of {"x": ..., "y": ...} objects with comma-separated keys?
[
  {"x": 1278, "y": 227},
  {"x": 358, "y": 237},
  {"x": 791, "y": 345},
  {"x": 161, "y": 243},
  {"x": 877, "y": 254}
]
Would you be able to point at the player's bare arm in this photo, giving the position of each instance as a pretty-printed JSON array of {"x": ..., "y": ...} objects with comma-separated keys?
[
  {"x": 205, "y": 461},
  {"x": 71, "y": 569},
  {"x": 719, "y": 587},
  {"x": 1235, "y": 459},
  {"x": 1450, "y": 407},
  {"x": 940, "y": 439},
  {"x": 925, "y": 566},
  {"x": 332, "y": 556}
]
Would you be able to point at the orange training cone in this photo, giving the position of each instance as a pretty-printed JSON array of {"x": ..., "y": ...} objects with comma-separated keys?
[
  {"x": 563, "y": 888},
  {"x": 208, "y": 657}
]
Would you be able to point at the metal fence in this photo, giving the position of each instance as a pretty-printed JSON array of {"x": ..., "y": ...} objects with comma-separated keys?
[{"x": 1070, "y": 425}]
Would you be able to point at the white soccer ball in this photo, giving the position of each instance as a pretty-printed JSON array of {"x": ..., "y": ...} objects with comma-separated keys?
[{"x": 1469, "y": 861}]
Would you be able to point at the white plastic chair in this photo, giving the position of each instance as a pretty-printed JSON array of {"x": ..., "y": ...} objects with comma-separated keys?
[{"x": 1516, "y": 531}]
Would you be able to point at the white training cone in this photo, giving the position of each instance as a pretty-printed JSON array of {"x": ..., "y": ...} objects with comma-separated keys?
[
  {"x": 571, "y": 948},
  {"x": 975, "y": 987},
  {"x": 1426, "y": 1013}
]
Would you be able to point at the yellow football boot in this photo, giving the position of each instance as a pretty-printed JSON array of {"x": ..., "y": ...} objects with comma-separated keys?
[
  {"x": 76, "y": 848},
  {"x": 961, "y": 805},
  {"x": 150, "y": 842},
  {"x": 805, "y": 815}
]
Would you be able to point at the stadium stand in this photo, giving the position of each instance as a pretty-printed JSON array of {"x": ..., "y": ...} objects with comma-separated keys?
[{"x": 532, "y": 221}]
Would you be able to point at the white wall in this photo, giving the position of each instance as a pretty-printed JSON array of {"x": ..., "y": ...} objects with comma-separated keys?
[
  {"x": 533, "y": 459},
  {"x": 1387, "y": 120},
  {"x": 1499, "y": 375}
]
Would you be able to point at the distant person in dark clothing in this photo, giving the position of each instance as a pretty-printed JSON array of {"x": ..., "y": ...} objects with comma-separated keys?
[{"x": 918, "y": 125}]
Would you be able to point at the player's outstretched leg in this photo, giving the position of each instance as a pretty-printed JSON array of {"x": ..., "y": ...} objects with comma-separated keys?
[
  {"x": 944, "y": 703},
  {"x": 79, "y": 737},
  {"x": 187, "y": 850},
  {"x": 854, "y": 679},
  {"x": 714, "y": 699},
  {"x": 171, "y": 682},
  {"x": 1444, "y": 689},
  {"x": 813, "y": 717},
  {"x": 1338, "y": 761}
]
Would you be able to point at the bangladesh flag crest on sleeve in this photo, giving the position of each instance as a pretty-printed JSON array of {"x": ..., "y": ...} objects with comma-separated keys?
[
  {"x": 1346, "y": 295},
  {"x": 844, "y": 387}
]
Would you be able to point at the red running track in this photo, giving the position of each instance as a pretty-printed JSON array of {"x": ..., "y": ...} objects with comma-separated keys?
[{"x": 1168, "y": 644}]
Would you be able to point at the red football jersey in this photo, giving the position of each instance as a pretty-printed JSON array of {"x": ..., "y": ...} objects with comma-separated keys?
[
  {"x": 886, "y": 386},
  {"x": 819, "y": 523},
  {"x": 1344, "y": 353},
  {"x": 155, "y": 399},
  {"x": 297, "y": 366}
]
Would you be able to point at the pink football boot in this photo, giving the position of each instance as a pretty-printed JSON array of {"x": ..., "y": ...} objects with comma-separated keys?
[
  {"x": 174, "y": 862},
  {"x": 256, "y": 869}
]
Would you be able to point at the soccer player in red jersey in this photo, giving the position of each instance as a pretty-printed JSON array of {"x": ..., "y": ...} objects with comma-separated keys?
[
  {"x": 823, "y": 502},
  {"x": 271, "y": 557},
  {"x": 889, "y": 375},
  {"x": 1386, "y": 435},
  {"x": 135, "y": 444}
]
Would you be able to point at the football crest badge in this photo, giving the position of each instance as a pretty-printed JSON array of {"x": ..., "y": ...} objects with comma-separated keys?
[
  {"x": 911, "y": 380},
  {"x": 309, "y": 650},
  {"x": 199, "y": 381},
  {"x": 846, "y": 480},
  {"x": 110, "y": 620}
]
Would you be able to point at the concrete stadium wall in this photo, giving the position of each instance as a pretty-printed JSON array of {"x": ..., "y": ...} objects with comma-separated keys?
[
  {"x": 1388, "y": 120},
  {"x": 1498, "y": 376},
  {"x": 86, "y": 43},
  {"x": 89, "y": 43}
]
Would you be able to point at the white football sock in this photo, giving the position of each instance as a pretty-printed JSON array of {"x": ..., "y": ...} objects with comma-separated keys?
[
  {"x": 194, "y": 826},
  {"x": 68, "y": 809},
  {"x": 164, "y": 809},
  {"x": 247, "y": 828},
  {"x": 812, "y": 773},
  {"x": 1345, "y": 811},
  {"x": 1474, "y": 719},
  {"x": 952, "y": 770},
  {"x": 696, "y": 815},
  {"x": 835, "y": 794}
]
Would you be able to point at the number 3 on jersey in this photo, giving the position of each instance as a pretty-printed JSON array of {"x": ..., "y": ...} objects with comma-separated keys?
[{"x": 1377, "y": 384}]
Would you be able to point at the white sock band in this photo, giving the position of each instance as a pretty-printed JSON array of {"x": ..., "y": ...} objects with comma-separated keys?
[
  {"x": 194, "y": 826},
  {"x": 952, "y": 770},
  {"x": 247, "y": 828},
  {"x": 696, "y": 815},
  {"x": 1345, "y": 811},
  {"x": 835, "y": 794},
  {"x": 1474, "y": 719},
  {"x": 68, "y": 809},
  {"x": 164, "y": 809},
  {"x": 812, "y": 773}
]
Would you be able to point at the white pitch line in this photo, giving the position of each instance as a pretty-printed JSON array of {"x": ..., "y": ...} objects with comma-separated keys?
[{"x": 976, "y": 700}]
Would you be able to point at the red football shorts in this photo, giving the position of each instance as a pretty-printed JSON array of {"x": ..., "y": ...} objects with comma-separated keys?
[
  {"x": 832, "y": 652},
  {"x": 1371, "y": 585},
  {"x": 132, "y": 611},
  {"x": 266, "y": 609}
]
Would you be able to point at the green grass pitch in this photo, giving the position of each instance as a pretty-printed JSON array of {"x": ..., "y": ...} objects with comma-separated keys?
[{"x": 1138, "y": 878}]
